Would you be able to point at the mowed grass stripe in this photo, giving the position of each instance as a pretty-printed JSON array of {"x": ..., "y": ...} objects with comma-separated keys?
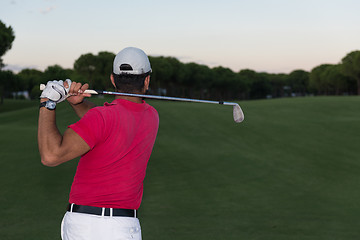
[
  {"x": 289, "y": 171},
  {"x": 282, "y": 164}
]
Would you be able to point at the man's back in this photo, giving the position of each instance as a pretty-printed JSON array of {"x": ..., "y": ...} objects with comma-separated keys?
[{"x": 121, "y": 136}]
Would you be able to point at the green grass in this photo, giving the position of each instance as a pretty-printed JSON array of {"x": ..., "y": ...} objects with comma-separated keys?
[
  {"x": 290, "y": 171},
  {"x": 14, "y": 105}
]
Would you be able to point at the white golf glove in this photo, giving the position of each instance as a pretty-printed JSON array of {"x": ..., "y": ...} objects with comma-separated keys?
[{"x": 55, "y": 90}]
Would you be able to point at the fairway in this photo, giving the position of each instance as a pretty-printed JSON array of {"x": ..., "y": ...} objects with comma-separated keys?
[{"x": 291, "y": 170}]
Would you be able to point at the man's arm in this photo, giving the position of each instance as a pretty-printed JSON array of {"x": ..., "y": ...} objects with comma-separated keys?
[
  {"x": 81, "y": 108},
  {"x": 53, "y": 147}
]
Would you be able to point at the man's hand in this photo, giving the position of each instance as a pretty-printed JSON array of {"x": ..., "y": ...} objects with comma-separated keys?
[
  {"x": 76, "y": 93},
  {"x": 56, "y": 91}
]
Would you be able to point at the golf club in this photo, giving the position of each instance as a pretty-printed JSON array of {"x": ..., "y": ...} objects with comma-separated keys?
[{"x": 238, "y": 114}]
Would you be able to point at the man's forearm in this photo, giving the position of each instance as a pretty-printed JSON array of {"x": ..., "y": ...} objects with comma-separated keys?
[
  {"x": 82, "y": 108},
  {"x": 49, "y": 137}
]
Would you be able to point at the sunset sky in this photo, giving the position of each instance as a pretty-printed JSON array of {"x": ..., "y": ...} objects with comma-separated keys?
[{"x": 264, "y": 35}]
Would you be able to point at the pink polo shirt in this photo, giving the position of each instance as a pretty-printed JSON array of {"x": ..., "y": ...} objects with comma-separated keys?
[{"x": 121, "y": 136}]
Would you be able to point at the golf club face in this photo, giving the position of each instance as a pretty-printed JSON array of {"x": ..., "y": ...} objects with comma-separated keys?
[{"x": 238, "y": 113}]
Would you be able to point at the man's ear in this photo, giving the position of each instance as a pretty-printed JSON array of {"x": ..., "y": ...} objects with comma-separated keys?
[
  {"x": 112, "y": 80},
  {"x": 147, "y": 83}
]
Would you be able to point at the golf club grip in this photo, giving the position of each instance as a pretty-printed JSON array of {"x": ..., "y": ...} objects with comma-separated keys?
[{"x": 42, "y": 87}]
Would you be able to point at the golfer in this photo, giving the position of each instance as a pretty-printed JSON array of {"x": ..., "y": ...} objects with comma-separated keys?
[{"x": 115, "y": 143}]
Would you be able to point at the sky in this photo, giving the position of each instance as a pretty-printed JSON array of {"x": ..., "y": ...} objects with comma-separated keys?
[{"x": 274, "y": 36}]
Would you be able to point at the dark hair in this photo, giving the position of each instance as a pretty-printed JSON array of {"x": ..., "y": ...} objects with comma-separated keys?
[{"x": 130, "y": 83}]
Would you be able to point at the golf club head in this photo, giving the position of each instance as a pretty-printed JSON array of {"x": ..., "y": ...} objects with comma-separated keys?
[{"x": 238, "y": 114}]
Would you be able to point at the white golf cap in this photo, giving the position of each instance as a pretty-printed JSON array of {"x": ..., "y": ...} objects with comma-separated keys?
[{"x": 131, "y": 60}]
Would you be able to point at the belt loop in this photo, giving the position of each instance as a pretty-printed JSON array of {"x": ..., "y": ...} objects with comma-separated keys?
[
  {"x": 71, "y": 207},
  {"x": 111, "y": 212},
  {"x": 103, "y": 212},
  {"x": 135, "y": 213}
]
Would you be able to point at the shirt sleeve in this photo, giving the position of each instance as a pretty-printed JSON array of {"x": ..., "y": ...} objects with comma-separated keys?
[{"x": 90, "y": 127}]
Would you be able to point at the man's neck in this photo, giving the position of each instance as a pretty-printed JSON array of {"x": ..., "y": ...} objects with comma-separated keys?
[{"x": 132, "y": 99}]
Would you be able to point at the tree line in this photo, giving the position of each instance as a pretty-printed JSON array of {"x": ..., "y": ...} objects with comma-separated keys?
[{"x": 174, "y": 78}]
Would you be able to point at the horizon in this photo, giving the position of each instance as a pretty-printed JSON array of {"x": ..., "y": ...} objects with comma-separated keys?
[
  {"x": 16, "y": 69},
  {"x": 265, "y": 36}
]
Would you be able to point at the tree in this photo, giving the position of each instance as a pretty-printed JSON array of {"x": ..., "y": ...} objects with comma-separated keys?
[
  {"x": 96, "y": 69},
  {"x": 85, "y": 65},
  {"x": 317, "y": 81},
  {"x": 195, "y": 80},
  {"x": 257, "y": 83},
  {"x": 31, "y": 79},
  {"x": 298, "y": 80},
  {"x": 178, "y": 74},
  {"x": 6, "y": 38},
  {"x": 338, "y": 83},
  {"x": 202, "y": 78},
  {"x": 9, "y": 82},
  {"x": 350, "y": 66},
  {"x": 56, "y": 72},
  {"x": 162, "y": 71},
  {"x": 104, "y": 67},
  {"x": 277, "y": 82},
  {"x": 222, "y": 80}
]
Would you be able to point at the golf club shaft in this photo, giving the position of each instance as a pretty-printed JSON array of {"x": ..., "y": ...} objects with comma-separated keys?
[
  {"x": 237, "y": 111},
  {"x": 164, "y": 98},
  {"x": 42, "y": 86}
]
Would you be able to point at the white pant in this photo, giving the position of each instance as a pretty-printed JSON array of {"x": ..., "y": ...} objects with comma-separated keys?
[{"x": 81, "y": 226}]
